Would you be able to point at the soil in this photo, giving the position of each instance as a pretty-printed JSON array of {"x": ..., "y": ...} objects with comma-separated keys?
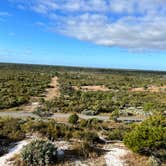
[
  {"x": 92, "y": 88},
  {"x": 150, "y": 89}
]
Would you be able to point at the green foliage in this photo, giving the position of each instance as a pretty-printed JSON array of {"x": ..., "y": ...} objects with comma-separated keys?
[
  {"x": 149, "y": 136},
  {"x": 73, "y": 119},
  {"x": 39, "y": 152}
]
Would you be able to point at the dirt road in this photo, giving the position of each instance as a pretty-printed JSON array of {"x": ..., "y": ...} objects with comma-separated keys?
[{"x": 23, "y": 114}]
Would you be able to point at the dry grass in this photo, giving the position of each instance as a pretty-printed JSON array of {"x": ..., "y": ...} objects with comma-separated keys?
[
  {"x": 135, "y": 159},
  {"x": 16, "y": 161}
]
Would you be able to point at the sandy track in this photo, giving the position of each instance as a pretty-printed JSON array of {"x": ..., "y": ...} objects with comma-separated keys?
[
  {"x": 23, "y": 114},
  {"x": 54, "y": 91}
]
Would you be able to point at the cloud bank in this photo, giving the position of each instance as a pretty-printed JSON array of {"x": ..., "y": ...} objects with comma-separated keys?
[{"x": 130, "y": 24}]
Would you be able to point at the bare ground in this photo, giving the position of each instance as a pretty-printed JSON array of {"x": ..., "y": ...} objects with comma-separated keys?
[{"x": 149, "y": 89}]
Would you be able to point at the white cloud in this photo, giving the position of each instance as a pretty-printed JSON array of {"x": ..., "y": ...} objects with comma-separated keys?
[{"x": 131, "y": 24}]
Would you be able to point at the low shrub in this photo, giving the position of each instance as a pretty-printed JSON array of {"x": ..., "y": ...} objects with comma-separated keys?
[{"x": 39, "y": 152}]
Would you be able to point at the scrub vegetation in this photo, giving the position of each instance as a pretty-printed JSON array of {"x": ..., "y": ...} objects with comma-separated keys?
[{"x": 83, "y": 91}]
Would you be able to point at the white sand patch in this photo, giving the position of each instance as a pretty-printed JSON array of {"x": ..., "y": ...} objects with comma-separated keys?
[
  {"x": 113, "y": 158},
  {"x": 5, "y": 159}
]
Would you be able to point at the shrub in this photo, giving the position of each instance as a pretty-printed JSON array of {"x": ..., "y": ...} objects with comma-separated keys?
[
  {"x": 39, "y": 152},
  {"x": 148, "y": 137},
  {"x": 73, "y": 118}
]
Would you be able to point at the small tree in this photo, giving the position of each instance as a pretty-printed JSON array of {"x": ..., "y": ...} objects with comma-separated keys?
[
  {"x": 73, "y": 118},
  {"x": 39, "y": 152}
]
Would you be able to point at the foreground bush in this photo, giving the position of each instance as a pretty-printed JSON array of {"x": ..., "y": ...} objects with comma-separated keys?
[
  {"x": 39, "y": 153},
  {"x": 149, "y": 137}
]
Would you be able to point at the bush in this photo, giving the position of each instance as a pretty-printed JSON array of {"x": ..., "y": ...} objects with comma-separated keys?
[
  {"x": 73, "y": 118},
  {"x": 148, "y": 137},
  {"x": 39, "y": 152}
]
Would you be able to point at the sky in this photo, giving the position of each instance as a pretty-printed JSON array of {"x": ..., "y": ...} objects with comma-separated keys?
[{"x": 127, "y": 34}]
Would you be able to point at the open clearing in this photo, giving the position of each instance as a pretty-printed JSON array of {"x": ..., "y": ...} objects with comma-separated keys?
[
  {"x": 92, "y": 88},
  {"x": 115, "y": 154},
  {"x": 150, "y": 89},
  {"x": 53, "y": 92}
]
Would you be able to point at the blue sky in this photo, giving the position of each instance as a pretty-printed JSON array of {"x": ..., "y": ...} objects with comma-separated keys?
[{"x": 94, "y": 33}]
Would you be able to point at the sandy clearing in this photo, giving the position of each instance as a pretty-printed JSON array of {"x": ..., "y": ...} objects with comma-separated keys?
[
  {"x": 54, "y": 91},
  {"x": 5, "y": 159},
  {"x": 149, "y": 89},
  {"x": 92, "y": 88}
]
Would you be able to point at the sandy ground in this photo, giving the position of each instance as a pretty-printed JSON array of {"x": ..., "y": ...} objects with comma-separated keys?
[
  {"x": 92, "y": 88},
  {"x": 54, "y": 91},
  {"x": 150, "y": 89},
  {"x": 5, "y": 159},
  {"x": 115, "y": 154}
]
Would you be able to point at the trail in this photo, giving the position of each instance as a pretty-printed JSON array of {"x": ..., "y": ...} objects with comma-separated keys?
[
  {"x": 116, "y": 152},
  {"x": 4, "y": 160},
  {"x": 26, "y": 114},
  {"x": 54, "y": 91}
]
